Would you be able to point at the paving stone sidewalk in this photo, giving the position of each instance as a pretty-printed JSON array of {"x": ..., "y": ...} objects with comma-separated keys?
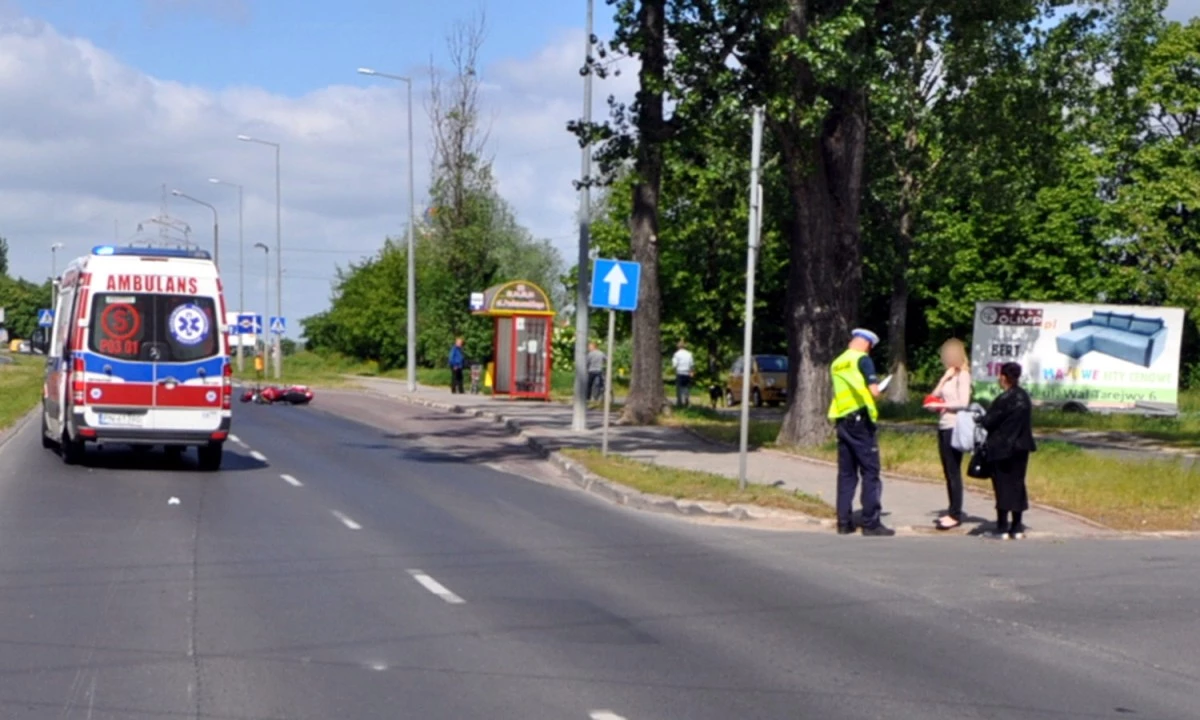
[{"x": 908, "y": 504}]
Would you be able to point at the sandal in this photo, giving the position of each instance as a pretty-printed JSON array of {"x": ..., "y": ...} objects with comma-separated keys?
[{"x": 954, "y": 522}]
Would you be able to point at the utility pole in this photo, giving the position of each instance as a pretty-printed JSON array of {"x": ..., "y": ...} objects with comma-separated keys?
[
  {"x": 579, "y": 418},
  {"x": 753, "y": 234}
]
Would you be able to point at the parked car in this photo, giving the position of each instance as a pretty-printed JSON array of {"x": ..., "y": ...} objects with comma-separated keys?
[{"x": 768, "y": 381}]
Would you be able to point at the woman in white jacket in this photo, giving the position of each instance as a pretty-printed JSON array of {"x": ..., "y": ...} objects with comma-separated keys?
[{"x": 953, "y": 393}]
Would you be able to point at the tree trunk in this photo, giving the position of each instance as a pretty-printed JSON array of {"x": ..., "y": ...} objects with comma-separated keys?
[
  {"x": 897, "y": 391},
  {"x": 824, "y": 176},
  {"x": 645, "y": 400}
]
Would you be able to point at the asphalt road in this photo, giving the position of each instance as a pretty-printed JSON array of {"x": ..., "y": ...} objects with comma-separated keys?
[{"x": 404, "y": 572}]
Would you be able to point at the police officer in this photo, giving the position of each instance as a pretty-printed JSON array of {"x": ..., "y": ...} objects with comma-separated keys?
[{"x": 855, "y": 387}]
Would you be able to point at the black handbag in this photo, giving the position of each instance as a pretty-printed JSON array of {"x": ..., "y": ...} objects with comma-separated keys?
[{"x": 980, "y": 467}]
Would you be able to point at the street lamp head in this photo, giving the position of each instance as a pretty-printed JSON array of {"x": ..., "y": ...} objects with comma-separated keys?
[
  {"x": 263, "y": 247},
  {"x": 215, "y": 181},
  {"x": 366, "y": 71},
  {"x": 177, "y": 193},
  {"x": 244, "y": 138},
  {"x": 56, "y": 246}
]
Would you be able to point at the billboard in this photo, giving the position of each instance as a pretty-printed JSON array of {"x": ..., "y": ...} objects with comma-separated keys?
[{"x": 1103, "y": 357}]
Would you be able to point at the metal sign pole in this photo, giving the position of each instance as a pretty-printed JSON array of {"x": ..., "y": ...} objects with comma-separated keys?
[
  {"x": 612, "y": 325},
  {"x": 752, "y": 248}
]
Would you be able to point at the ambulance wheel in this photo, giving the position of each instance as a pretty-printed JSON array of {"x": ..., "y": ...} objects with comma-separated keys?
[
  {"x": 210, "y": 456},
  {"x": 72, "y": 450},
  {"x": 174, "y": 452},
  {"x": 47, "y": 443}
]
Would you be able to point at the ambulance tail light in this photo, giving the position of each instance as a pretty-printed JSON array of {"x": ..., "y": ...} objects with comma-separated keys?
[
  {"x": 78, "y": 386},
  {"x": 227, "y": 386}
]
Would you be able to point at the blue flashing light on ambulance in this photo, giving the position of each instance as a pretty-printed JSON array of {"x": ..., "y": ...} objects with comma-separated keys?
[{"x": 139, "y": 355}]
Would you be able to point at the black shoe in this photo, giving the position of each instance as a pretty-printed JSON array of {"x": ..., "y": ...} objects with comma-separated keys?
[
  {"x": 878, "y": 531},
  {"x": 846, "y": 529}
]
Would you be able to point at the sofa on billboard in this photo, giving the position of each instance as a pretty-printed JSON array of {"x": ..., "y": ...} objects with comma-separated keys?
[{"x": 1126, "y": 337}]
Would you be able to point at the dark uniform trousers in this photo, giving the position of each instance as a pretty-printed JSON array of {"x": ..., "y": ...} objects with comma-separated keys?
[{"x": 858, "y": 453}]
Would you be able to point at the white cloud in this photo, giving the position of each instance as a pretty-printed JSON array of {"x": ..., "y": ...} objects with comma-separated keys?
[{"x": 86, "y": 140}]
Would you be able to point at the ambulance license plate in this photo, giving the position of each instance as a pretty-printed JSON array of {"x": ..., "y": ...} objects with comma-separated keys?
[{"x": 122, "y": 420}]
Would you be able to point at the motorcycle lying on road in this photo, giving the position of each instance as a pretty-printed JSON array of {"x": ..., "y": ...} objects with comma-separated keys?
[{"x": 291, "y": 395}]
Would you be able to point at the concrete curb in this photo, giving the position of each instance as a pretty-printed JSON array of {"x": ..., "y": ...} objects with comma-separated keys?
[
  {"x": 9, "y": 432},
  {"x": 911, "y": 478},
  {"x": 614, "y": 492}
]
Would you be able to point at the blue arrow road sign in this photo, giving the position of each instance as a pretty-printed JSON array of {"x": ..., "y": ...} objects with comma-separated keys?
[
  {"x": 615, "y": 284},
  {"x": 249, "y": 325},
  {"x": 278, "y": 325},
  {"x": 45, "y": 317}
]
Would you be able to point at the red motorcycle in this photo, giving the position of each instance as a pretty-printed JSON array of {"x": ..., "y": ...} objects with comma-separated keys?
[{"x": 292, "y": 395}]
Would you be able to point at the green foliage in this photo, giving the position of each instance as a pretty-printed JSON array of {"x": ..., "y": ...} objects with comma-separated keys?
[{"x": 21, "y": 300}]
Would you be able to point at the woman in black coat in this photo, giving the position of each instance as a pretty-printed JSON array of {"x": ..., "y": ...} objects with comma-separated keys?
[{"x": 1009, "y": 425}]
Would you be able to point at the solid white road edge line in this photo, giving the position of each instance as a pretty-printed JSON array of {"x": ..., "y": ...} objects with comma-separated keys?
[
  {"x": 435, "y": 587},
  {"x": 258, "y": 456},
  {"x": 292, "y": 481},
  {"x": 237, "y": 440},
  {"x": 604, "y": 715},
  {"x": 346, "y": 520}
]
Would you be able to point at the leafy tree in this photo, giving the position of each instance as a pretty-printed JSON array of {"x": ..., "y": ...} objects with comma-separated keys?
[
  {"x": 3, "y": 257},
  {"x": 21, "y": 300}
]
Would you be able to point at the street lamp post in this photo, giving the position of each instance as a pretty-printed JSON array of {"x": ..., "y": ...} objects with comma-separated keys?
[
  {"x": 241, "y": 355},
  {"x": 216, "y": 226},
  {"x": 54, "y": 274},
  {"x": 54, "y": 259},
  {"x": 278, "y": 253},
  {"x": 412, "y": 229},
  {"x": 266, "y": 293},
  {"x": 579, "y": 405}
]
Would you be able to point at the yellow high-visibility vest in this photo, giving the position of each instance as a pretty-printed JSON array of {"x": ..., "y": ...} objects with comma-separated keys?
[{"x": 850, "y": 391}]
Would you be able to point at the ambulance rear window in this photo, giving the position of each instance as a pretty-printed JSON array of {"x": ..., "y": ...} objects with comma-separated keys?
[{"x": 154, "y": 328}]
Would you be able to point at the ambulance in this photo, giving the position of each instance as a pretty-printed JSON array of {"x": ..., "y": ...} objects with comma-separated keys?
[{"x": 139, "y": 355}]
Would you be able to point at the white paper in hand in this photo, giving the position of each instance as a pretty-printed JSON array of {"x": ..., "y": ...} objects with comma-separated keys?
[{"x": 883, "y": 384}]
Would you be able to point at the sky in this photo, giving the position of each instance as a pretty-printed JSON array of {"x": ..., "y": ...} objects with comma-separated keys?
[{"x": 105, "y": 103}]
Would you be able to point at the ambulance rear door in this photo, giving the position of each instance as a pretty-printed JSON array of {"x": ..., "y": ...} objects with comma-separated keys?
[{"x": 189, "y": 361}]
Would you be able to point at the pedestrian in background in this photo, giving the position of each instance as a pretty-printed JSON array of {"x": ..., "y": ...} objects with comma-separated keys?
[
  {"x": 853, "y": 410},
  {"x": 685, "y": 367},
  {"x": 952, "y": 395},
  {"x": 1009, "y": 425},
  {"x": 458, "y": 361},
  {"x": 595, "y": 371}
]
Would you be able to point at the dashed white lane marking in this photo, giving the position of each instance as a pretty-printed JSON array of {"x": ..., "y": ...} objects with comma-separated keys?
[
  {"x": 435, "y": 587},
  {"x": 237, "y": 440},
  {"x": 346, "y": 520},
  {"x": 258, "y": 456},
  {"x": 604, "y": 715},
  {"x": 292, "y": 481}
]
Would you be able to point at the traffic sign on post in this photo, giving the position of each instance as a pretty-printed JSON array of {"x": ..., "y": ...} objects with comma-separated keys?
[
  {"x": 615, "y": 284},
  {"x": 614, "y": 287},
  {"x": 45, "y": 317},
  {"x": 249, "y": 324},
  {"x": 278, "y": 325}
]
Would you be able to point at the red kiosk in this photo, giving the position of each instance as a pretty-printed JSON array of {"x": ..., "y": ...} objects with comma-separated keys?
[{"x": 524, "y": 327}]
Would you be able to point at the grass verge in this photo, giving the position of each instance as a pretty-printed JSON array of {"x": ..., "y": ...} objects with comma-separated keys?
[
  {"x": 20, "y": 387},
  {"x": 693, "y": 485},
  {"x": 1117, "y": 492},
  {"x": 721, "y": 427},
  {"x": 331, "y": 370},
  {"x": 1179, "y": 432}
]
